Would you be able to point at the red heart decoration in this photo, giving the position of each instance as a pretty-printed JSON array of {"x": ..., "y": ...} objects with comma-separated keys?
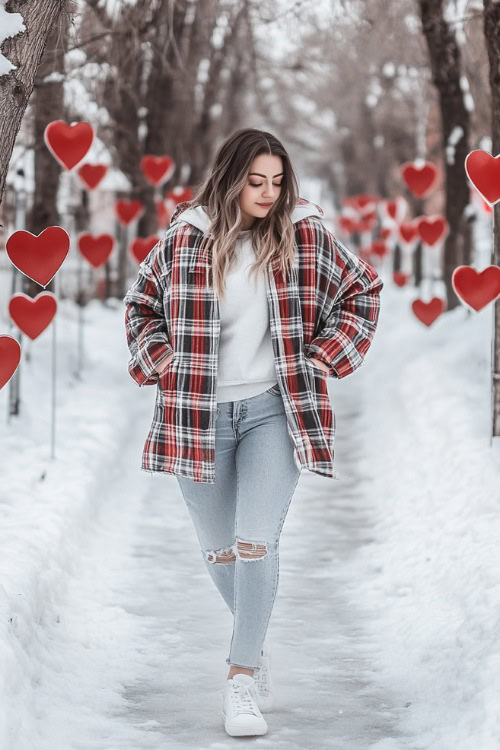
[
  {"x": 162, "y": 214},
  {"x": 157, "y": 169},
  {"x": 370, "y": 216},
  {"x": 379, "y": 248},
  {"x": 400, "y": 278},
  {"x": 432, "y": 229},
  {"x": 476, "y": 288},
  {"x": 128, "y": 211},
  {"x": 408, "y": 232},
  {"x": 38, "y": 256},
  {"x": 366, "y": 202},
  {"x": 483, "y": 171},
  {"x": 142, "y": 246},
  {"x": 363, "y": 225},
  {"x": 396, "y": 209},
  {"x": 32, "y": 315},
  {"x": 92, "y": 174},
  {"x": 68, "y": 143},
  {"x": 179, "y": 194},
  {"x": 420, "y": 179},
  {"x": 96, "y": 249},
  {"x": 385, "y": 233},
  {"x": 10, "y": 356},
  {"x": 428, "y": 312},
  {"x": 392, "y": 209},
  {"x": 346, "y": 224}
]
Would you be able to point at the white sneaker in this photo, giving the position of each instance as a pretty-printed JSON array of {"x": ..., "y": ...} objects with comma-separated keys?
[
  {"x": 240, "y": 710},
  {"x": 263, "y": 681}
]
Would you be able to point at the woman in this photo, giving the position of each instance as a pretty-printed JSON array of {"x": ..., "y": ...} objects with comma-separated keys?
[{"x": 239, "y": 314}]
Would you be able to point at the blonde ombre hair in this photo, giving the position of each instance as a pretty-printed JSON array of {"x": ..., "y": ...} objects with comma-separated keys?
[{"x": 273, "y": 235}]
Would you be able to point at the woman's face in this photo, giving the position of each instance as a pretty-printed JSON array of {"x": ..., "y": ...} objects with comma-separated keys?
[{"x": 263, "y": 186}]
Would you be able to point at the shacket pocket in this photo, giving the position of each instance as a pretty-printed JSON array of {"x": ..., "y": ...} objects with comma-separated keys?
[
  {"x": 165, "y": 374},
  {"x": 318, "y": 370}
]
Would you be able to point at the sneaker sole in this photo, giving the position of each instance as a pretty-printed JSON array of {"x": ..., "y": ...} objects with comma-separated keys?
[{"x": 244, "y": 730}]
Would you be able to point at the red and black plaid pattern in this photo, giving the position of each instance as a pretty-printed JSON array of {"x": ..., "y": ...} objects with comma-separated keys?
[{"x": 327, "y": 308}]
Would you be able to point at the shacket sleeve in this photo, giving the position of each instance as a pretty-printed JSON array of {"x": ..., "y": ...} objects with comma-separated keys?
[
  {"x": 145, "y": 323},
  {"x": 351, "y": 293}
]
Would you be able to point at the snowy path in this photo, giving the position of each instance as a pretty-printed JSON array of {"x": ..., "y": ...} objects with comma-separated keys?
[{"x": 136, "y": 659}]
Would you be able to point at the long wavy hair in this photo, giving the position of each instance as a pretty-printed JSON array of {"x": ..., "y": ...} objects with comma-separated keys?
[{"x": 273, "y": 235}]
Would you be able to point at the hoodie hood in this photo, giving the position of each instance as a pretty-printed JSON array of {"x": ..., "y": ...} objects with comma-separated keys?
[{"x": 199, "y": 218}]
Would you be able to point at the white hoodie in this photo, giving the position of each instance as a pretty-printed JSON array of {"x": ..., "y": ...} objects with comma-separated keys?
[{"x": 246, "y": 358}]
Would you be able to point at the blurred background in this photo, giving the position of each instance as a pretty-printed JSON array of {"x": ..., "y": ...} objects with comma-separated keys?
[{"x": 385, "y": 631}]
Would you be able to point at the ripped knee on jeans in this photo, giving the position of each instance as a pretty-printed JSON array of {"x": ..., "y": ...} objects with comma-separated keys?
[
  {"x": 251, "y": 550},
  {"x": 225, "y": 555}
]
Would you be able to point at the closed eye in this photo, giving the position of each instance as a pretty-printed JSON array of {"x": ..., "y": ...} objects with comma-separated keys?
[{"x": 261, "y": 183}]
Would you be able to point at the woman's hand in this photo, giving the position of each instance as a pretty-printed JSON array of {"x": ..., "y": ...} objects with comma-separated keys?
[
  {"x": 319, "y": 364},
  {"x": 165, "y": 364}
]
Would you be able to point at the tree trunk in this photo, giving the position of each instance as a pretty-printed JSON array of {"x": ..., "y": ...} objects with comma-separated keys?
[
  {"x": 492, "y": 34},
  {"x": 25, "y": 52},
  {"x": 446, "y": 66},
  {"x": 48, "y": 104}
]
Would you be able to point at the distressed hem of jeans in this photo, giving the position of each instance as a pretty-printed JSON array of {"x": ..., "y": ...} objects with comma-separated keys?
[{"x": 243, "y": 666}]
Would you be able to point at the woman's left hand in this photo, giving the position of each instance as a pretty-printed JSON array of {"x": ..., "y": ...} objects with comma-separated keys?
[{"x": 319, "y": 364}]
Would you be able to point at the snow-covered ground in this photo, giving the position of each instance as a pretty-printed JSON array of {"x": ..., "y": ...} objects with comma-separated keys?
[{"x": 385, "y": 630}]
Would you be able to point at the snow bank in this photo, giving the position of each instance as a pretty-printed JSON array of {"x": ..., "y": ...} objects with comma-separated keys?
[
  {"x": 433, "y": 485},
  {"x": 49, "y": 507}
]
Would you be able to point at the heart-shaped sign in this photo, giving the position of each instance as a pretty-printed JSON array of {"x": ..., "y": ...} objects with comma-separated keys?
[
  {"x": 432, "y": 229},
  {"x": 400, "y": 278},
  {"x": 379, "y": 248},
  {"x": 142, "y": 246},
  {"x": 96, "y": 249},
  {"x": 128, "y": 211},
  {"x": 346, "y": 224},
  {"x": 162, "y": 214},
  {"x": 38, "y": 256},
  {"x": 179, "y": 194},
  {"x": 92, "y": 174},
  {"x": 10, "y": 356},
  {"x": 364, "y": 225},
  {"x": 476, "y": 288},
  {"x": 428, "y": 312},
  {"x": 32, "y": 315},
  {"x": 365, "y": 202},
  {"x": 157, "y": 169},
  {"x": 68, "y": 143},
  {"x": 408, "y": 232},
  {"x": 483, "y": 171},
  {"x": 396, "y": 209},
  {"x": 420, "y": 178}
]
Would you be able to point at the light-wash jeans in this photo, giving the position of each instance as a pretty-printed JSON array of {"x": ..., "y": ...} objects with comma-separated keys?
[{"x": 239, "y": 519}]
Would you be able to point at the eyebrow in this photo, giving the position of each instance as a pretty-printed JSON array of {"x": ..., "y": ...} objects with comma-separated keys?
[{"x": 263, "y": 175}]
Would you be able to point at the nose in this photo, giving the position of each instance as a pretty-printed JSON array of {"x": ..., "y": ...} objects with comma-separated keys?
[{"x": 268, "y": 191}]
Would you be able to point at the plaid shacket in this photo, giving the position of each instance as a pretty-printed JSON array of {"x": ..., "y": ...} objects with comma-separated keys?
[{"x": 328, "y": 308}]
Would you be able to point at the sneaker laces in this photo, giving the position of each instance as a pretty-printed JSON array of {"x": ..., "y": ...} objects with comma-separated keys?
[{"x": 243, "y": 699}]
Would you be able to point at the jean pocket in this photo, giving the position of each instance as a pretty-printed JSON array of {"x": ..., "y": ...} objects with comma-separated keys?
[{"x": 275, "y": 390}]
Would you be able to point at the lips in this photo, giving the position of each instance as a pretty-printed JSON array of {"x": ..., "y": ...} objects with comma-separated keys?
[{"x": 265, "y": 204}]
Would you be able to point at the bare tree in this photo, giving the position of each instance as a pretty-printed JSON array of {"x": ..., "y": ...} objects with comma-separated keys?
[
  {"x": 25, "y": 52},
  {"x": 446, "y": 65}
]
